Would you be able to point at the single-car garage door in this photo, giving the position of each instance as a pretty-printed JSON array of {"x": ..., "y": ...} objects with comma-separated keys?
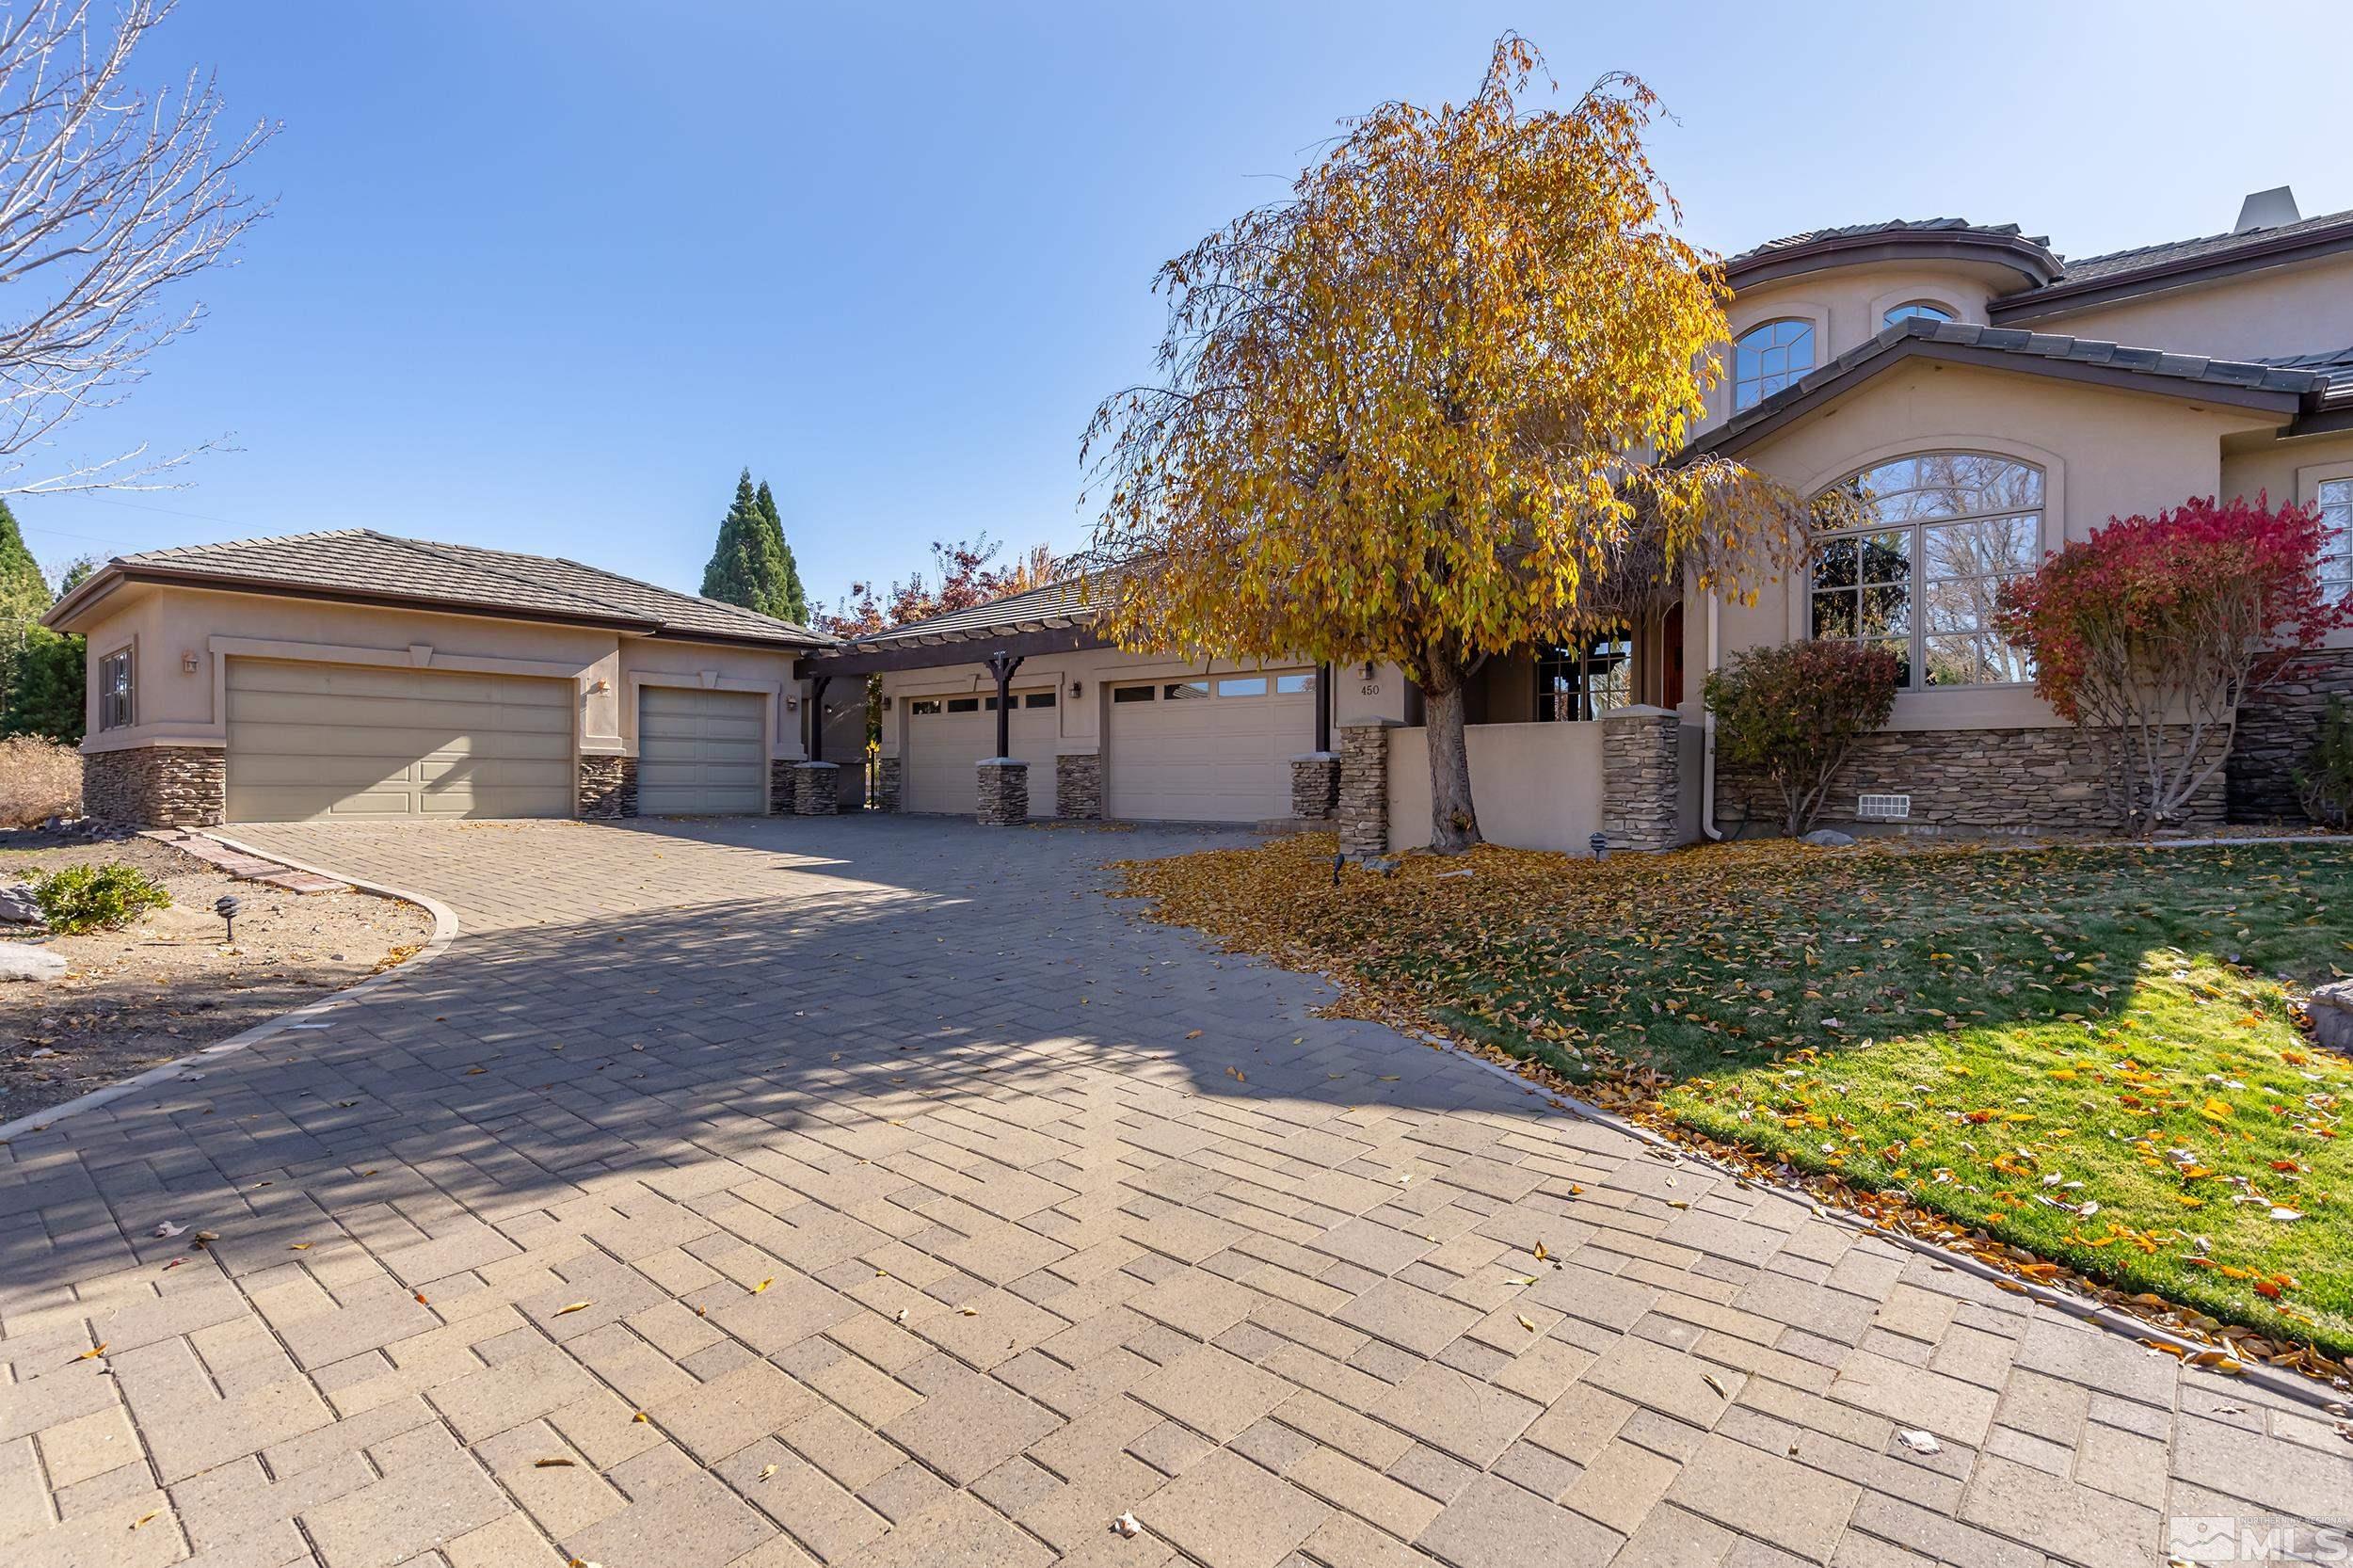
[
  {"x": 947, "y": 737},
  {"x": 701, "y": 753},
  {"x": 1214, "y": 749},
  {"x": 310, "y": 740}
]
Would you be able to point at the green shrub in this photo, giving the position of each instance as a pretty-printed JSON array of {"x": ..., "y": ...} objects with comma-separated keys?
[
  {"x": 2324, "y": 783},
  {"x": 96, "y": 898},
  {"x": 1791, "y": 712}
]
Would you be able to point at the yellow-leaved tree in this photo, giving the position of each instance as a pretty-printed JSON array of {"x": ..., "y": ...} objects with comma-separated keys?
[{"x": 1425, "y": 410}]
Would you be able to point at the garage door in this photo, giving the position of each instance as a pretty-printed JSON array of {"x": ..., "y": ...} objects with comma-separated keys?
[
  {"x": 701, "y": 754},
  {"x": 1217, "y": 749},
  {"x": 310, "y": 740},
  {"x": 947, "y": 736}
]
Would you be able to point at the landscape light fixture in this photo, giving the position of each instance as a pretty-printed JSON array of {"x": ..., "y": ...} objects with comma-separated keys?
[
  {"x": 1601, "y": 845},
  {"x": 229, "y": 907}
]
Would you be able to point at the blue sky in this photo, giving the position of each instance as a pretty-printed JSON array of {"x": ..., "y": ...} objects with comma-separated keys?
[{"x": 546, "y": 277}]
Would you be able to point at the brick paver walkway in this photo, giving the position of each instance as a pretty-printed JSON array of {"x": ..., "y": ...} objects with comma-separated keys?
[{"x": 927, "y": 1209}]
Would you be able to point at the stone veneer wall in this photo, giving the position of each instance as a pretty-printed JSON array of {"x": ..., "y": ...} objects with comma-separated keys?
[
  {"x": 814, "y": 789},
  {"x": 1004, "y": 791},
  {"x": 156, "y": 786},
  {"x": 1315, "y": 786},
  {"x": 1964, "y": 780},
  {"x": 2275, "y": 735},
  {"x": 607, "y": 789},
  {"x": 1078, "y": 785},
  {"x": 780, "y": 786},
  {"x": 1362, "y": 803},
  {"x": 886, "y": 796},
  {"x": 1640, "y": 808}
]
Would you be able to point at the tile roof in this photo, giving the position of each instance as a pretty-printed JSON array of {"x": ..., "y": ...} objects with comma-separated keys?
[
  {"x": 2334, "y": 365},
  {"x": 1061, "y": 603},
  {"x": 1896, "y": 226},
  {"x": 2155, "y": 258},
  {"x": 364, "y": 562},
  {"x": 2286, "y": 378}
]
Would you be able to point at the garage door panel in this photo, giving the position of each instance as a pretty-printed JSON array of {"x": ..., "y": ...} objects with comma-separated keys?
[
  {"x": 1222, "y": 758},
  {"x": 330, "y": 740},
  {"x": 701, "y": 753},
  {"x": 944, "y": 750}
]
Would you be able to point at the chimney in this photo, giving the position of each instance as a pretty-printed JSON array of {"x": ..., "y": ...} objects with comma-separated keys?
[{"x": 2267, "y": 209}]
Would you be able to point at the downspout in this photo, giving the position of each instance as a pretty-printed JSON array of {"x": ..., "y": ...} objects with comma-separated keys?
[
  {"x": 1708, "y": 729},
  {"x": 1323, "y": 707}
]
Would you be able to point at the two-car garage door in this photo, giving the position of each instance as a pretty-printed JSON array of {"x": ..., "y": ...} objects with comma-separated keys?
[{"x": 310, "y": 740}]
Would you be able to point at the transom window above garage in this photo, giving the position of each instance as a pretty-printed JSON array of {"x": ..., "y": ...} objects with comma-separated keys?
[{"x": 1930, "y": 540}]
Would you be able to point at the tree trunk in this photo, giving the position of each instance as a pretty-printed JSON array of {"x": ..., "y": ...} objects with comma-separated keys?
[{"x": 1453, "y": 821}]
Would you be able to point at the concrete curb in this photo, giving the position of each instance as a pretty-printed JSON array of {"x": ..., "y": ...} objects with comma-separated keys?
[{"x": 445, "y": 929}]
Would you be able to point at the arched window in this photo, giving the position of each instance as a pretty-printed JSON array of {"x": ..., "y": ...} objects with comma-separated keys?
[
  {"x": 1911, "y": 556},
  {"x": 1921, "y": 309},
  {"x": 1769, "y": 357},
  {"x": 1586, "y": 678}
]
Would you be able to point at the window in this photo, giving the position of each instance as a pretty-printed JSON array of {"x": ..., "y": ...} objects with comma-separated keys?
[
  {"x": 965, "y": 704},
  {"x": 114, "y": 690},
  {"x": 1131, "y": 694},
  {"x": 1586, "y": 678},
  {"x": 1243, "y": 685},
  {"x": 2336, "y": 557},
  {"x": 1936, "y": 536},
  {"x": 925, "y": 705},
  {"x": 1295, "y": 686},
  {"x": 1179, "y": 690},
  {"x": 1038, "y": 699},
  {"x": 1918, "y": 310},
  {"x": 1769, "y": 357}
]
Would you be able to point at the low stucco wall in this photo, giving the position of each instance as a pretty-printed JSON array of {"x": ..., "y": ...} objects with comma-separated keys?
[{"x": 1537, "y": 785}]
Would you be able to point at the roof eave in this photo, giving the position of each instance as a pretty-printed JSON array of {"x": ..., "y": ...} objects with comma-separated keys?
[
  {"x": 2031, "y": 262},
  {"x": 1773, "y": 417},
  {"x": 2165, "y": 276}
]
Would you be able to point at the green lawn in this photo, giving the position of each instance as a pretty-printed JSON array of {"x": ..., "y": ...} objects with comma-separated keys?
[{"x": 2086, "y": 1052}]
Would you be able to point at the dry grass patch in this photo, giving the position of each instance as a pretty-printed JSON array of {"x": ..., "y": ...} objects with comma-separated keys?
[{"x": 38, "y": 779}]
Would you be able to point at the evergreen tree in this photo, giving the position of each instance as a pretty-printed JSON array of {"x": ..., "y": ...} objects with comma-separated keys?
[
  {"x": 794, "y": 597},
  {"x": 47, "y": 695},
  {"x": 24, "y": 597},
  {"x": 748, "y": 564}
]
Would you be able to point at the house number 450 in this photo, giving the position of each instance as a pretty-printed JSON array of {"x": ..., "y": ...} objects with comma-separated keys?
[{"x": 1370, "y": 688}]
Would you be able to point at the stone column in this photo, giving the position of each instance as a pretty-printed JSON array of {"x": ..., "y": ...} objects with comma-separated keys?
[
  {"x": 1639, "y": 807},
  {"x": 608, "y": 788},
  {"x": 1078, "y": 785},
  {"x": 1316, "y": 785},
  {"x": 1004, "y": 791},
  {"x": 816, "y": 788},
  {"x": 886, "y": 784},
  {"x": 156, "y": 786},
  {"x": 1362, "y": 795}
]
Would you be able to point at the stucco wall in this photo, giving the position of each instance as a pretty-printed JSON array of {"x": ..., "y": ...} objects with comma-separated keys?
[
  {"x": 2299, "y": 310},
  {"x": 1536, "y": 786}
]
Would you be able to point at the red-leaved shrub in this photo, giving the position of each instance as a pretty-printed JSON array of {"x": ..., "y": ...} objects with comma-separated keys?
[
  {"x": 2152, "y": 632},
  {"x": 1792, "y": 711}
]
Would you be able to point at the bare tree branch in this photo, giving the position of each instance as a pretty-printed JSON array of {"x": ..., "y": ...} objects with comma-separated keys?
[{"x": 110, "y": 197}]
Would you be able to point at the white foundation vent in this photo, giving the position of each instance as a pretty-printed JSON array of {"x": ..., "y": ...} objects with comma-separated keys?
[{"x": 1883, "y": 808}]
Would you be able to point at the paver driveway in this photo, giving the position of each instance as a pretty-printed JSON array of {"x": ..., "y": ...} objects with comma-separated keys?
[{"x": 935, "y": 1212}]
